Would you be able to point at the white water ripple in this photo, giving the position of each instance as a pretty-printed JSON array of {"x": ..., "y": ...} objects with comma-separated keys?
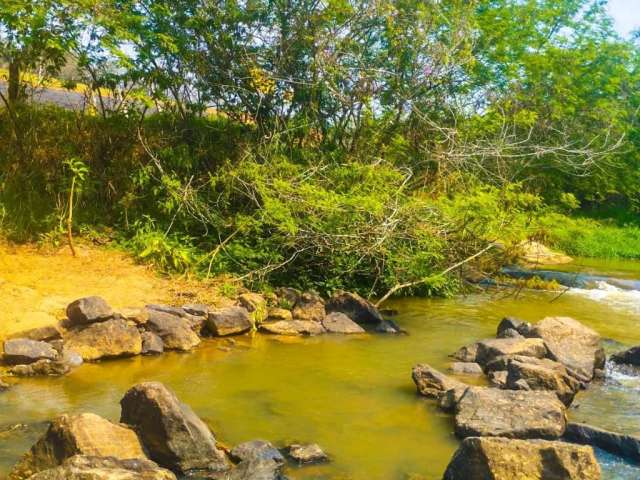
[{"x": 628, "y": 300}]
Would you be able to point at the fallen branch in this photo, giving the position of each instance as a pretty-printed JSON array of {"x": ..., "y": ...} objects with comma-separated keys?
[{"x": 400, "y": 286}]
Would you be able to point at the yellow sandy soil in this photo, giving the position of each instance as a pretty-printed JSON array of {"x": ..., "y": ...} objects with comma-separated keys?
[{"x": 37, "y": 284}]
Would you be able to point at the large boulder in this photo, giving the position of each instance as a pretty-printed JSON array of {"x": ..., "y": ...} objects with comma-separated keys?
[
  {"x": 293, "y": 327},
  {"x": 431, "y": 383},
  {"x": 492, "y": 348},
  {"x": 625, "y": 446},
  {"x": 83, "y": 434},
  {"x": 256, "y": 449},
  {"x": 170, "y": 431},
  {"x": 108, "y": 339},
  {"x": 490, "y": 412},
  {"x": 309, "y": 307},
  {"x": 542, "y": 374},
  {"x": 229, "y": 321},
  {"x": 23, "y": 351},
  {"x": 355, "y": 307},
  {"x": 89, "y": 310},
  {"x": 571, "y": 343},
  {"x": 507, "y": 459},
  {"x": 176, "y": 332},
  {"x": 81, "y": 467},
  {"x": 627, "y": 357},
  {"x": 337, "y": 322}
]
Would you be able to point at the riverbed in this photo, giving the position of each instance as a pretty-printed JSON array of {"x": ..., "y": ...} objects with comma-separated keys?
[{"x": 352, "y": 395}]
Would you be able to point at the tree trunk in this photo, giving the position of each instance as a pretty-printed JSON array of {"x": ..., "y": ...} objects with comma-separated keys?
[{"x": 14, "y": 81}]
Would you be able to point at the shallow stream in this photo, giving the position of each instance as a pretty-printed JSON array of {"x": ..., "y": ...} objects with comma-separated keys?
[{"x": 352, "y": 395}]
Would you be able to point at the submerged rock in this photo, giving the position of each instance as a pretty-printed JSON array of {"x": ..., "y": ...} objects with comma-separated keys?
[
  {"x": 627, "y": 357},
  {"x": 103, "y": 340},
  {"x": 229, "y": 321},
  {"x": 490, "y": 349},
  {"x": 293, "y": 327},
  {"x": 256, "y": 449},
  {"x": 337, "y": 322},
  {"x": 89, "y": 310},
  {"x": 82, "y": 467},
  {"x": 507, "y": 459},
  {"x": 492, "y": 412},
  {"x": 176, "y": 332},
  {"x": 170, "y": 431},
  {"x": 626, "y": 446},
  {"x": 24, "y": 351},
  {"x": 305, "y": 454},
  {"x": 431, "y": 383},
  {"x": 355, "y": 307},
  {"x": 389, "y": 326},
  {"x": 309, "y": 307},
  {"x": 83, "y": 434},
  {"x": 466, "y": 368}
]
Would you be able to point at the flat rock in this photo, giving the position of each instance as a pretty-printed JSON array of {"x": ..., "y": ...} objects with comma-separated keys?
[
  {"x": 82, "y": 467},
  {"x": 627, "y": 357},
  {"x": 338, "y": 322},
  {"x": 89, "y": 310},
  {"x": 309, "y": 307},
  {"x": 103, "y": 340},
  {"x": 571, "y": 343},
  {"x": 490, "y": 412},
  {"x": 465, "y": 368},
  {"x": 256, "y": 449},
  {"x": 176, "y": 332},
  {"x": 626, "y": 446},
  {"x": 507, "y": 459},
  {"x": 82, "y": 434},
  {"x": 41, "y": 334},
  {"x": 432, "y": 383},
  {"x": 152, "y": 344},
  {"x": 170, "y": 431},
  {"x": 24, "y": 351},
  {"x": 197, "y": 309},
  {"x": 293, "y": 327},
  {"x": 355, "y": 307},
  {"x": 306, "y": 454},
  {"x": 492, "y": 348},
  {"x": 229, "y": 321}
]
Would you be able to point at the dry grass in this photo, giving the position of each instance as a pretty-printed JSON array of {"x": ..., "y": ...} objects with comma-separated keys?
[{"x": 36, "y": 284}]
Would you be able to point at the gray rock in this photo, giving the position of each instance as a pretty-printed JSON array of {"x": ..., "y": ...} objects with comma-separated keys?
[
  {"x": 626, "y": 446},
  {"x": 498, "y": 378},
  {"x": 151, "y": 344},
  {"x": 40, "y": 368},
  {"x": 306, "y": 454},
  {"x": 431, "y": 383},
  {"x": 509, "y": 333},
  {"x": 388, "y": 326},
  {"x": 197, "y": 309},
  {"x": 490, "y": 412},
  {"x": 355, "y": 307},
  {"x": 171, "y": 310},
  {"x": 627, "y": 357},
  {"x": 337, "y": 322},
  {"x": 293, "y": 327},
  {"x": 41, "y": 334},
  {"x": 170, "y": 431},
  {"x": 512, "y": 323},
  {"x": 71, "y": 358},
  {"x": 81, "y": 467},
  {"x": 103, "y": 340},
  {"x": 229, "y": 321},
  {"x": 490, "y": 349},
  {"x": 23, "y": 351},
  {"x": 465, "y": 368},
  {"x": 309, "y": 307},
  {"x": 176, "y": 332},
  {"x": 468, "y": 353},
  {"x": 89, "y": 310},
  {"x": 257, "y": 469},
  {"x": 542, "y": 374},
  {"x": 256, "y": 449}
]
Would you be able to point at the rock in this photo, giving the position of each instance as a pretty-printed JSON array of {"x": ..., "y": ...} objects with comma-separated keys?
[
  {"x": 83, "y": 434},
  {"x": 542, "y": 375},
  {"x": 4, "y": 385},
  {"x": 536, "y": 253},
  {"x": 507, "y": 459},
  {"x": 489, "y": 350},
  {"x": 288, "y": 297},
  {"x": 309, "y": 307},
  {"x": 355, "y": 307},
  {"x": 139, "y": 316},
  {"x": 625, "y": 446},
  {"x": 41, "y": 367},
  {"x": 81, "y": 467},
  {"x": 255, "y": 304},
  {"x": 627, "y": 357},
  {"x": 41, "y": 334},
  {"x": 431, "y": 383},
  {"x": 170, "y": 431},
  {"x": 71, "y": 358},
  {"x": 176, "y": 332},
  {"x": 151, "y": 344},
  {"x": 569, "y": 342},
  {"x": 466, "y": 368},
  {"x": 176, "y": 311},
  {"x": 388, "y": 326},
  {"x": 256, "y": 449},
  {"x": 103, "y": 340},
  {"x": 468, "y": 353},
  {"x": 337, "y": 322},
  {"x": 257, "y": 469},
  {"x": 293, "y": 327},
  {"x": 229, "y": 321},
  {"x": 498, "y": 379},
  {"x": 448, "y": 401},
  {"x": 509, "y": 333},
  {"x": 490, "y": 412},
  {"x": 276, "y": 314},
  {"x": 196, "y": 309},
  {"x": 88, "y": 310},
  {"x": 511, "y": 323},
  {"x": 22, "y": 351},
  {"x": 305, "y": 454}
]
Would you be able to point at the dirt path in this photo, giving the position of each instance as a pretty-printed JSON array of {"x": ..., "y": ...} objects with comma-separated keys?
[{"x": 37, "y": 285}]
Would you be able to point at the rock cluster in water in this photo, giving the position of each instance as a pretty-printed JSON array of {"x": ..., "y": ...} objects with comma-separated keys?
[
  {"x": 512, "y": 428},
  {"x": 94, "y": 331},
  {"x": 158, "y": 437}
]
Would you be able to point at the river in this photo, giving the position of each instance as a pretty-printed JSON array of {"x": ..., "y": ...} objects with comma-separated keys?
[{"x": 353, "y": 396}]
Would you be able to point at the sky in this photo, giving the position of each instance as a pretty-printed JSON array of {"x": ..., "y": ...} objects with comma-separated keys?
[{"x": 626, "y": 14}]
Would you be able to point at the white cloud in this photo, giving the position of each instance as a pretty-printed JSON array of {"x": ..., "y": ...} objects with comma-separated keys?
[{"x": 626, "y": 14}]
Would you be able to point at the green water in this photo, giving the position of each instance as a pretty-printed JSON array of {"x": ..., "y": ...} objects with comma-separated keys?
[{"x": 352, "y": 395}]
